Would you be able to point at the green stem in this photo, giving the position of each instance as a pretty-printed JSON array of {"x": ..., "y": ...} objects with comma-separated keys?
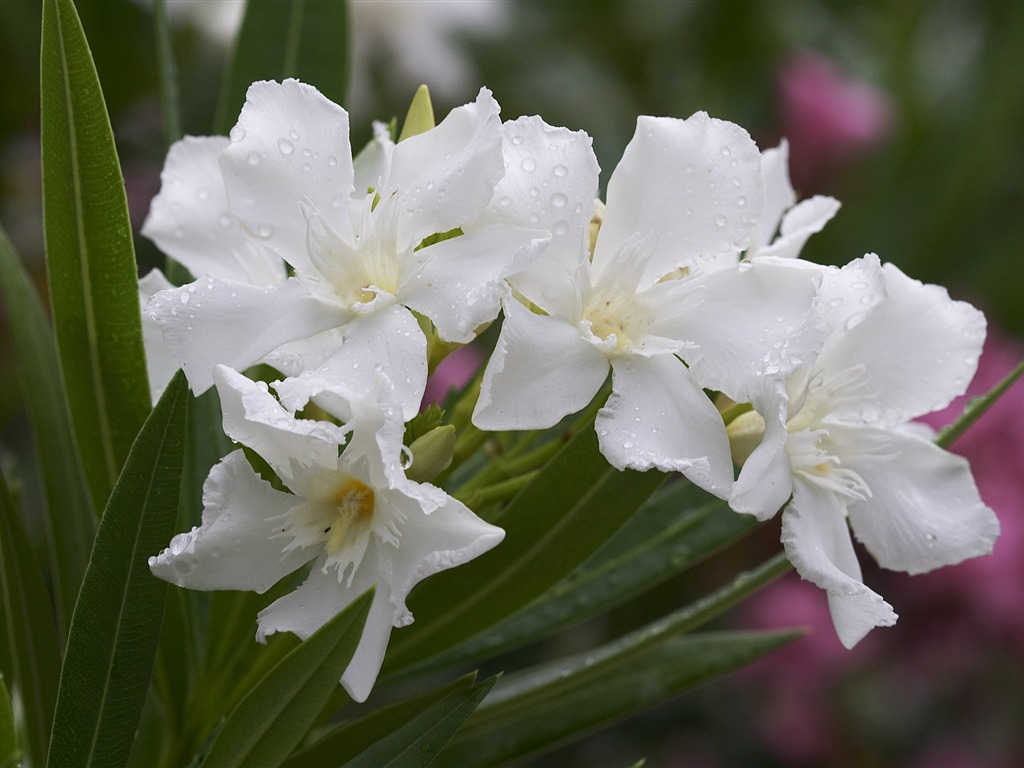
[
  {"x": 977, "y": 408},
  {"x": 506, "y": 489}
]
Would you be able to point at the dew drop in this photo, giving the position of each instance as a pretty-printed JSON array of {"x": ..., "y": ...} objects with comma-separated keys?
[
  {"x": 835, "y": 302},
  {"x": 184, "y": 298},
  {"x": 529, "y": 165},
  {"x": 294, "y": 134},
  {"x": 225, "y": 220},
  {"x": 720, "y": 220},
  {"x": 332, "y": 161},
  {"x": 741, "y": 201},
  {"x": 203, "y": 193},
  {"x": 534, "y": 192},
  {"x": 688, "y": 168},
  {"x": 265, "y": 230},
  {"x": 505, "y": 202},
  {"x": 285, "y": 146},
  {"x": 517, "y": 140},
  {"x": 534, "y": 218},
  {"x": 237, "y": 133},
  {"x": 726, "y": 151},
  {"x": 253, "y": 158},
  {"x": 559, "y": 200},
  {"x": 560, "y": 171}
]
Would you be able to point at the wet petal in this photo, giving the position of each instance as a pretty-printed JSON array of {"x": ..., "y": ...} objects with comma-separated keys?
[
  {"x": 290, "y": 146},
  {"x": 695, "y": 184},
  {"x": 657, "y": 416},
  {"x": 161, "y": 365},
  {"x": 779, "y": 196},
  {"x": 802, "y": 221},
  {"x": 236, "y": 546},
  {"x": 817, "y": 542},
  {"x": 765, "y": 481},
  {"x": 540, "y": 371},
  {"x": 924, "y": 511}
]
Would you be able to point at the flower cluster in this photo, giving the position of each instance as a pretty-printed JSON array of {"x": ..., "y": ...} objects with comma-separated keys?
[{"x": 685, "y": 284}]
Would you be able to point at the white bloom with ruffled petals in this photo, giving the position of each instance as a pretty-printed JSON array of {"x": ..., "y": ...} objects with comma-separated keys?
[
  {"x": 363, "y": 256},
  {"x": 834, "y": 446},
  {"x": 355, "y": 516},
  {"x": 663, "y": 287}
]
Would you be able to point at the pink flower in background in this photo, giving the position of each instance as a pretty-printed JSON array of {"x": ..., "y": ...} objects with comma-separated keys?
[
  {"x": 454, "y": 372},
  {"x": 828, "y": 116}
]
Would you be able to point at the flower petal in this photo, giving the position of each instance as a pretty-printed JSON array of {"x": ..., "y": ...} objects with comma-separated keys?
[
  {"x": 321, "y": 597},
  {"x": 776, "y": 332},
  {"x": 255, "y": 419},
  {"x": 189, "y": 219},
  {"x": 213, "y": 321},
  {"x": 446, "y": 176},
  {"x": 160, "y": 363},
  {"x": 458, "y": 283},
  {"x": 290, "y": 145},
  {"x": 696, "y": 184},
  {"x": 817, "y": 542},
  {"x": 541, "y": 370},
  {"x": 657, "y": 416},
  {"x": 373, "y": 163},
  {"x": 802, "y": 221},
  {"x": 924, "y": 511},
  {"x": 235, "y": 547},
  {"x": 779, "y": 196},
  {"x": 388, "y": 340},
  {"x": 765, "y": 481},
  {"x": 919, "y": 349},
  {"x": 550, "y": 183}
]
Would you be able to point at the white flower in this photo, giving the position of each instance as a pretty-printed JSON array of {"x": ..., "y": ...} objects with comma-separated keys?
[
  {"x": 836, "y": 443},
  {"x": 358, "y": 252},
  {"x": 795, "y": 222},
  {"x": 663, "y": 287},
  {"x": 355, "y": 516}
]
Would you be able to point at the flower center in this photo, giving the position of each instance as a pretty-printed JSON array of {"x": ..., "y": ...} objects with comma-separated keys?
[
  {"x": 351, "y": 501},
  {"x": 614, "y": 316}
]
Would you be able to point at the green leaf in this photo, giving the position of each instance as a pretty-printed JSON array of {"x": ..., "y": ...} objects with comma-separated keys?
[
  {"x": 573, "y": 506},
  {"x": 167, "y": 74},
  {"x": 32, "y": 636},
  {"x": 70, "y": 517},
  {"x": 304, "y": 39},
  {"x": 977, "y": 407},
  {"x": 414, "y": 729},
  {"x": 90, "y": 257},
  {"x": 116, "y": 626},
  {"x": 276, "y": 714},
  {"x": 555, "y": 702},
  {"x": 676, "y": 529},
  {"x": 10, "y": 755}
]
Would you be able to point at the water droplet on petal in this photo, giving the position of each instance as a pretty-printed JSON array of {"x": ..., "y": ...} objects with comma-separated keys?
[
  {"x": 332, "y": 161},
  {"x": 237, "y": 133},
  {"x": 726, "y": 151},
  {"x": 559, "y": 200},
  {"x": 560, "y": 171},
  {"x": 529, "y": 164},
  {"x": 203, "y": 193},
  {"x": 253, "y": 158},
  {"x": 184, "y": 298},
  {"x": 294, "y": 134},
  {"x": 561, "y": 228},
  {"x": 285, "y": 146},
  {"x": 265, "y": 230},
  {"x": 720, "y": 220}
]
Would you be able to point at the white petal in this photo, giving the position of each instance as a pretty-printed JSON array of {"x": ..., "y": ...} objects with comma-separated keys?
[
  {"x": 765, "y": 481},
  {"x": 320, "y": 598},
  {"x": 550, "y": 183},
  {"x": 458, "y": 283},
  {"x": 848, "y": 295},
  {"x": 378, "y": 427},
  {"x": 657, "y": 416},
  {"x": 213, "y": 321},
  {"x": 779, "y": 196},
  {"x": 160, "y": 363},
  {"x": 445, "y": 177},
  {"x": 817, "y": 542},
  {"x": 695, "y": 184},
  {"x": 290, "y": 145},
  {"x": 255, "y": 419},
  {"x": 924, "y": 511},
  {"x": 919, "y": 349},
  {"x": 751, "y": 322},
  {"x": 802, "y": 221},
  {"x": 389, "y": 341},
  {"x": 189, "y": 219},
  {"x": 541, "y": 370},
  {"x": 373, "y": 163},
  {"x": 235, "y": 547}
]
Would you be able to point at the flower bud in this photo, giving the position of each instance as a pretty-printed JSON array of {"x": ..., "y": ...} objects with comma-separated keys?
[{"x": 431, "y": 453}]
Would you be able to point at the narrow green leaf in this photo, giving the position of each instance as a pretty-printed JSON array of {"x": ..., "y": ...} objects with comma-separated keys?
[
  {"x": 32, "y": 636},
  {"x": 575, "y": 504},
  {"x": 304, "y": 39},
  {"x": 540, "y": 708},
  {"x": 977, "y": 407},
  {"x": 10, "y": 755},
  {"x": 680, "y": 526},
  {"x": 167, "y": 74},
  {"x": 116, "y": 625},
  {"x": 70, "y": 517},
  {"x": 277, "y": 712},
  {"x": 581, "y": 695},
  {"x": 90, "y": 257},
  {"x": 370, "y": 737}
]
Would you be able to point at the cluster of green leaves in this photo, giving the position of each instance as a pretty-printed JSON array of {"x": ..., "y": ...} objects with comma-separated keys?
[{"x": 111, "y": 666}]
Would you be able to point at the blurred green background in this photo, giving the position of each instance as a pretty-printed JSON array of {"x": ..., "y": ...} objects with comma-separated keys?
[{"x": 910, "y": 113}]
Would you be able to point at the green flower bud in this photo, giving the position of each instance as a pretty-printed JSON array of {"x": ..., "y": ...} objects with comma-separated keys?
[{"x": 431, "y": 453}]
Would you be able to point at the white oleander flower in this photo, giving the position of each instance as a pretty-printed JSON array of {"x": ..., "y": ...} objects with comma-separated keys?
[
  {"x": 663, "y": 304},
  {"x": 359, "y": 240},
  {"x": 355, "y": 517},
  {"x": 835, "y": 447}
]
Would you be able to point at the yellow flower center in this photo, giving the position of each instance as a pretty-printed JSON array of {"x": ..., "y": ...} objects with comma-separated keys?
[{"x": 352, "y": 501}]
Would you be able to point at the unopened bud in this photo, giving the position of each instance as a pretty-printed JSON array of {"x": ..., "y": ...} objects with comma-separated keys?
[
  {"x": 745, "y": 434},
  {"x": 431, "y": 453}
]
